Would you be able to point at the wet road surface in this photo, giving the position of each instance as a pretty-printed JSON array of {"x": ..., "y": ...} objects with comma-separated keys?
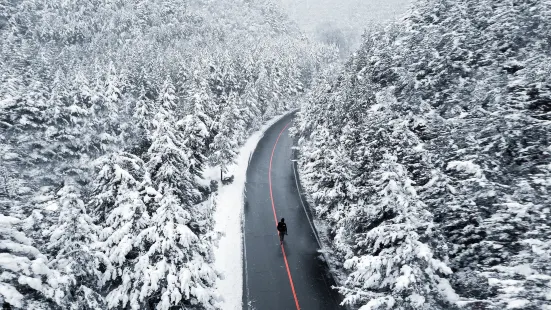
[{"x": 277, "y": 277}]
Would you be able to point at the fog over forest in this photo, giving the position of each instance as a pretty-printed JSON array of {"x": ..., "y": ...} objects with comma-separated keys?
[{"x": 343, "y": 21}]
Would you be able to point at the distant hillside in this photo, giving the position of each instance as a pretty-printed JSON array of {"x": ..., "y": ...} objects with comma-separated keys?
[
  {"x": 342, "y": 22},
  {"x": 429, "y": 158}
]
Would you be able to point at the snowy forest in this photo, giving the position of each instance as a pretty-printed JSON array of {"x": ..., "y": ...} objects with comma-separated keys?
[
  {"x": 428, "y": 158},
  {"x": 109, "y": 113},
  {"x": 425, "y": 156}
]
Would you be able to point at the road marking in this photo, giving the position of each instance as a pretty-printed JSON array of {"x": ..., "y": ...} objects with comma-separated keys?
[{"x": 275, "y": 216}]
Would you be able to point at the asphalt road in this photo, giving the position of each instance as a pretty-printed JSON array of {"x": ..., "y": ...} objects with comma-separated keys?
[{"x": 285, "y": 277}]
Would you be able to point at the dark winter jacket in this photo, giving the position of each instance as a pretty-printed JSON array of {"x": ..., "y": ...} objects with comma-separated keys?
[{"x": 282, "y": 227}]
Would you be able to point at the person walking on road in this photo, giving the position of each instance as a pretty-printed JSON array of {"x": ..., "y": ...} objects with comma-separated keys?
[{"x": 282, "y": 229}]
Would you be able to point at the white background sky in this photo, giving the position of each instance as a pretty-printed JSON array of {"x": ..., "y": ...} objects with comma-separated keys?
[{"x": 356, "y": 14}]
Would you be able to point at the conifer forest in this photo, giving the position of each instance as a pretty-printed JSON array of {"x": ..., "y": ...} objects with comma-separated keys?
[{"x": 422, "y": 146}]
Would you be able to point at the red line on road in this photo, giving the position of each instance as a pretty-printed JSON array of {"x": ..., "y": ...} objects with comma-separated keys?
[{"x": 275, "y": 216}]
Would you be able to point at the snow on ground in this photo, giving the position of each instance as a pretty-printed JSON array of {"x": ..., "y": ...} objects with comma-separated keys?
[{"x": 228, "y": 221}]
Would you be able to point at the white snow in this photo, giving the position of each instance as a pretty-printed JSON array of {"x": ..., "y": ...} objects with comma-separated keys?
[
  {"x": 465, "y": 166},
  {"x": 517, "y": 303},
  {"x": 523, "y": 269},
  {"x": 11, "y": 295},
  {"x": 417, "y": 300},
  {"x": 228, "y": 221},
  {"x": 447, "y": 291},
  {"x": 8, "y": 220},
  {"x": 7, "y": 102},
  {"x": 403, "y": 281},
  {"x": 379, "y": 303},
  {"x": 10, "y": 156},
  {"x": 152, "y": 192}
]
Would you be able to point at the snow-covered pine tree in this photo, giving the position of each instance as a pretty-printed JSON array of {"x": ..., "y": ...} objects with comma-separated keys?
[
  {"x": 71, "y": 245},
  {"x": 201, "y": 105},
  {"x": 167, "y": 102},
  {"x": 116, "y": 173},
  {"x": 177, "y": 263},
  {"x": 226, "y": 140},
  {"x": 262, "y": 86},
  {"x": 143, "y": 111},
  {"x": 195, "y": 134},
  {"x": 239, "y": 125},
  {"x": 121, "y": 197},
  {"x": 249, "y": 110},
  {"x": 393, "y": 264}
]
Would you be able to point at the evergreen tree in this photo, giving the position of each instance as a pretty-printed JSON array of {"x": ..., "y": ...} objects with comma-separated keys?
[
  {"x": 225, "y": 142},
  {"x": 178, "y": 258},
  {"x": 71, "y": 241},
  {"x": 123, "y": 194},
  {"x": 393, "y": 266}
]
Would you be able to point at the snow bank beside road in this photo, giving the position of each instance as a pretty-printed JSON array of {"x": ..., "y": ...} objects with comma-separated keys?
[{"x": 228, "y": 221}]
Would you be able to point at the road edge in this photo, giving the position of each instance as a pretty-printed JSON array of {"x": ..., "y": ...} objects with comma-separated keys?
[{"x": 311, "y": 216}]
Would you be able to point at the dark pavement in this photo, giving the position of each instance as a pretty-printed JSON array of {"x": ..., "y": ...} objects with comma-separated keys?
[{"x": 266, "y": 276}]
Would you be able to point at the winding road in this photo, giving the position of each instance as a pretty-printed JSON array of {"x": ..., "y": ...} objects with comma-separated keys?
[{"x": 292, "y": 276}]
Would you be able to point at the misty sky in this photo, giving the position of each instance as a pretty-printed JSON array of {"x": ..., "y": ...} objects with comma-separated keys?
[{"x": 356, "y": 14}]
